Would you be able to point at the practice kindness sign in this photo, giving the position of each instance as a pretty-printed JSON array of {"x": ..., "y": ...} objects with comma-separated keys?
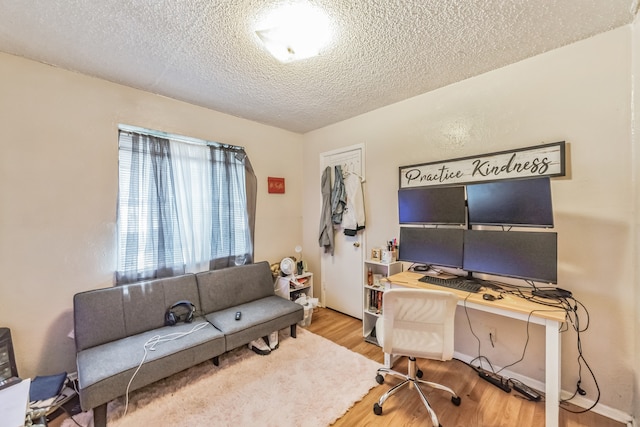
[{"x": 541, "y": 160}]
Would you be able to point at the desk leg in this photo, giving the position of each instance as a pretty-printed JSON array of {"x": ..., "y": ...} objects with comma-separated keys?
[
  {"x": 390, "y": 360},
  {"x": 552, "y": 374}
]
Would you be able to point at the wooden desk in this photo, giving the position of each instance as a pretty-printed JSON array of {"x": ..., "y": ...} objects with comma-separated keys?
[{"x": 515, "y": 308}]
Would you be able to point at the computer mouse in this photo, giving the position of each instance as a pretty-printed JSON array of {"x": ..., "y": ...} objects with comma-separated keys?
[{"x": 488, "y": 297}]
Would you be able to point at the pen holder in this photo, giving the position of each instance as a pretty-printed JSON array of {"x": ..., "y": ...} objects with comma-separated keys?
[{"x": 388, "y": 256}]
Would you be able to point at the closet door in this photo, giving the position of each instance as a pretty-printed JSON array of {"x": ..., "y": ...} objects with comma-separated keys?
[{"x": 342, "y": 276}]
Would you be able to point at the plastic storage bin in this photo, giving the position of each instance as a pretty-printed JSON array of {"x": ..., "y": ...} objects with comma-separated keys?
[
  {"x": 308, "y": 304},
  {"x": 308, "y": 314}
]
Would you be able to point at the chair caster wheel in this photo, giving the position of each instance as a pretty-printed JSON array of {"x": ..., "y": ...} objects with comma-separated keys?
[
  {"x": 456, "y": 400},
  {"x": 377, "y": 409},
  {"x": 419, "y": 373},
  {"x": 379, "y": 380}
]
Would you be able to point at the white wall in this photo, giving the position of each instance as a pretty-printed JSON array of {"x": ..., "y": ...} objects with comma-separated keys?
[
  {"x": 636, "y": 172},
  {"x": 58, "y": 193},
  {"x": 580, "y": 94}
]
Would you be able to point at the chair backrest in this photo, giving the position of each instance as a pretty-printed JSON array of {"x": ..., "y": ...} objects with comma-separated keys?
[{"x": 418, "y": 323}]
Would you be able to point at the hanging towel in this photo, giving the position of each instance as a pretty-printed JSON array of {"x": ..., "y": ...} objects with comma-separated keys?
[
  {"x": 353, "y": 218},
  {"x": 338, "y": 196},
  {"x": 326, "y": 227}
]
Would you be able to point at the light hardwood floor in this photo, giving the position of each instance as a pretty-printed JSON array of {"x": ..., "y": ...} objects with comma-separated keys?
[{"x": 483, "y": 405}]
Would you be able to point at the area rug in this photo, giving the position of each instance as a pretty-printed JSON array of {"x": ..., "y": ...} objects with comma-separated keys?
[{"x": 308, "y": 381}]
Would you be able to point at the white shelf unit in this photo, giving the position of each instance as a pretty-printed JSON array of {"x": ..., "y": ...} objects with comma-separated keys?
[
  {"x": 372, "y": 304},
  {"x": 303, "y": 288}
]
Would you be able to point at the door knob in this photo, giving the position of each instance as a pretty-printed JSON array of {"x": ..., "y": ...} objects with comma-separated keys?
[{"x": 356, "y": 244}]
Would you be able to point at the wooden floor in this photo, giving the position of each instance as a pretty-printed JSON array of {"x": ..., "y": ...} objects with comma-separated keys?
[{"x": 483, "y": 405}]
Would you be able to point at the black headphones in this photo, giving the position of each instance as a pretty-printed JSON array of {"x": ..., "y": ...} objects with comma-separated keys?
[{"x": 172, "y": 317}]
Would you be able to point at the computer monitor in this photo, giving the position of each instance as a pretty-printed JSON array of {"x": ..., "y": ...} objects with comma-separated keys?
[
  {"x": 521, "y": 202},
  {"x": 431, "y": 246},
  {"x": 432, "y": 205},
  {"x": 520, "y": 254}
]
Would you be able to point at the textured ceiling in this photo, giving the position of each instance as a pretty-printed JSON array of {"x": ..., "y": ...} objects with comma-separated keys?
[{"x": 383, "y": 51}]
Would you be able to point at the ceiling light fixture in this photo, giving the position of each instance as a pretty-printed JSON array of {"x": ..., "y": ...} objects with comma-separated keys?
[{"x": 295, "y": 31}]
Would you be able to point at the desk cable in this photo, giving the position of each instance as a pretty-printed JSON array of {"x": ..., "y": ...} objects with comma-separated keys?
[
  {"x": 480, "y": 357},
  {"x": 571, "y": 307},
  {"x": 71, "y": 416},
  {"x": 574, "y": 319}
]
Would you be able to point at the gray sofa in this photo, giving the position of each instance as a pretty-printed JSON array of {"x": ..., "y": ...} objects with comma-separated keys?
[{"x": 113, "y": 325}]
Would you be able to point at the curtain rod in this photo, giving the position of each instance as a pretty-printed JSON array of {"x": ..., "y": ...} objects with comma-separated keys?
[{"x": 175, "y": 137}]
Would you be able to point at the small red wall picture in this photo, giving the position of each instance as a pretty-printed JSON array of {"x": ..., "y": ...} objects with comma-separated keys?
[{"x": 276, "y": 185}]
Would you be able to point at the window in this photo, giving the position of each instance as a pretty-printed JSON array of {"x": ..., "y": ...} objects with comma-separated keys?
[{"x": 184, "y": 206}]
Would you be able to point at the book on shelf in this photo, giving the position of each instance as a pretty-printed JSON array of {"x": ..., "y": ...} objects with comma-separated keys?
[{"x": 374, "y": 304}]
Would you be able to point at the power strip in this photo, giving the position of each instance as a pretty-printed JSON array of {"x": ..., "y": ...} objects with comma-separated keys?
[
  {"x": 552, "y": 293},
  {"x": 525, "y": 390},
  {"x": 495, "y": 379}
]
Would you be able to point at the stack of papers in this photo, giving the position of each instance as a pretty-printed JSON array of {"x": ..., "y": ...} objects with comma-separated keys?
[{"x": 13, "y": 404}]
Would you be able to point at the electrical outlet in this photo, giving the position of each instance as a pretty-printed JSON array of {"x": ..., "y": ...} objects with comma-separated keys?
[
  {"x": 488, "y": 333},
  {"x": 493, "y": 334}
]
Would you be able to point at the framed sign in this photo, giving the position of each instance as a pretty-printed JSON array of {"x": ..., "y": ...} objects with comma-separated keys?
[
  {"x": 540, "y": 160},
  {"x": 275, "y": 185}
]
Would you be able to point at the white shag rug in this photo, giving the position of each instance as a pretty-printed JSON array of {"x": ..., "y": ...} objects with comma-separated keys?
[{"x": 308, "y": 381}]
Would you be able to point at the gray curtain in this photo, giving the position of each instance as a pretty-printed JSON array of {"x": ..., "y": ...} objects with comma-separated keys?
[
  {"x": 151, "y": 203},
  {"x": 252, "y": 194},
  {"x": 232, "y": 175}
]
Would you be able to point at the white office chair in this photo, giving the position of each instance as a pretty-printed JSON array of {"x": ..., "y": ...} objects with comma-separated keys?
[{"x": 416, "y": 323}]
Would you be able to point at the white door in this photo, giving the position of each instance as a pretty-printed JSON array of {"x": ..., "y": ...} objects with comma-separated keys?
[{"x": 342, "y": 273}]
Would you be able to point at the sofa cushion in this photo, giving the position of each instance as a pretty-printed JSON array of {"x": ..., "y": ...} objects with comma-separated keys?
[
  {"x": 146, "y": 303},
  {"x": 259, "y": 318},
  {"x": 104, "y": 371},
  {"x": 98, "y": 317},
  {"x": 109, "y": 314},
  {"x": 229, "y": 287}
]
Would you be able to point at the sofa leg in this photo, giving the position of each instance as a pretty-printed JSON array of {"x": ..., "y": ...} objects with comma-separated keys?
[
  {"x": 216, "y": 361},
  {"x": 100, "y": 416},
  {"x": 293, "y": 330}
]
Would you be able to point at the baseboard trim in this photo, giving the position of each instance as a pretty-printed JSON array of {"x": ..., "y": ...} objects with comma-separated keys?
[{"x": 604, "y": 410}]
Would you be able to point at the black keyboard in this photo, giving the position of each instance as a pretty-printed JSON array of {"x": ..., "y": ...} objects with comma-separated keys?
[{"x": 458, "y": 283}]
